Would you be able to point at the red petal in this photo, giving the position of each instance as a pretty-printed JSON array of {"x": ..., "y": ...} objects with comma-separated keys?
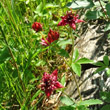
[
  {"x": 48, "y": 92},
  {"x": 58, "y": 85},
  {"x": 79, "y": 21},
  {"x": 62, "y": 23},
  {"x": 55, "y": 73},
  {"x": 73, "y": 25},
  {"x": 44, "y": 42}
]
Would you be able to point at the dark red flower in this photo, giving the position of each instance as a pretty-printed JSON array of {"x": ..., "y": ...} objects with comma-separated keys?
[
  {"x": 70, "y": 19},
  {"x": 37, "y": 26},
  {"x": 49, "y": 83},
  {"x": 52, "y": 36}
]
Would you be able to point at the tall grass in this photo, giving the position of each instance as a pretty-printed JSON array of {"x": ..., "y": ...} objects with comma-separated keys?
[{"x": 19, "y": 52}]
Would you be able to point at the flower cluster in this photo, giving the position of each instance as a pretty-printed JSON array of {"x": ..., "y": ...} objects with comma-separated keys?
[
  {"x": 52, "y": 36},
  {"x": 70, "y": 19},
  {"x": 49, "y": 83},
  {"x": 37, "y": 26}
]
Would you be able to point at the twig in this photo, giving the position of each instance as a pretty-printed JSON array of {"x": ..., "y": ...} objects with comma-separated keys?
[{"x": 103, "y": 10}]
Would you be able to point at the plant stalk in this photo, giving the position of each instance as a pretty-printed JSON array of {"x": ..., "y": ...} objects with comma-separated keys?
[
  {"x": 72, "y": 37},
  {"x": 103, "y": 10}
]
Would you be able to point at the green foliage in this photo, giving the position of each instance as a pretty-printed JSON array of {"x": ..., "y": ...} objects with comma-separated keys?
[
  {"x": 91, "y": 102},
  {"x": 76, "y": 68},
  {"x": 108, "y": 8},
  {"x": 108, "y": 71},
  {"x": 75, "y": 55},
  {"x": 106, "y": 60},
  {"x": 105, "y": 96},
  {"x": 103, "y": 66},
  {"x": 64, "y": 42},
  {"x": 84, "y": 61},
  {"x": 66, "y": 108},
  {"x": 63, "y": 80},
  {"x": 63, "y": 52},
  {"x": 23, "y": 59},
  {"x": 66, "y": 100},
  {"x": 76, "y": 63},
  {"x": 78, "y": 4},
  {"x": 106, "y": 107},
  {"x": 107, "y": 27},
  {"x": 93, "y": 14},
  {"x": 4, "y": 54}
]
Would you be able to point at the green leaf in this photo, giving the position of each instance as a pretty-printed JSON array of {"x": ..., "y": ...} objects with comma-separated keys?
[
  {"x": 63, "y": 80},
  {"x": 76, "y": 68},
  {"x": 64, "y": 42},
  {"x": 108, "y": 9},
  {"x": 91, "y": 15},
  {"x": 75, "y": 55},
  {"x": 100, "y": 69},
  {"x": 108, "y": 36},
  {"x": 39, "y": 8},
  {"x": 63, "y": 53},
  {"x": 40, "y": 62},
  {"x": 106, "y": 107},
  {"x": 84, "y": 61},
  {"x": 99, "y": 64},
  {"x": 108, "y": 71},
  {"x": 105, "y": 96},
  {"x": 106, "y": 60},
  {"x": 35, "y": 95},
  {"x": 91, "y": 102},
  {"x": 107, "y": 27},
  {"x": 4, "y": 54},
  {"x": 67, "y": 108},
  {"x": 82, "y": 107},
  {"x": 66, "y": 100},
  {"x": 78, "y": 4},
  {"x": 97, "y": 4},
  {"x": 51, "y": 5}
]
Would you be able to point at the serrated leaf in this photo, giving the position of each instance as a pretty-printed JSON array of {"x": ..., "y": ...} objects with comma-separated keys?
[
  {"x": 106, "y": 107},
  {"x": 84, "y": 61},
  {"x": 78, "y": 4},
  {"x": 75, "y": 55},
  {"x": 66, "y": 100},
  {"x": 99, "y": 64},
  {"x": 76, "y": 68},
  {"x": 100, "y": 69},
  {"x": 91, "y": 102},
  {"x": 106, "y": 60}
]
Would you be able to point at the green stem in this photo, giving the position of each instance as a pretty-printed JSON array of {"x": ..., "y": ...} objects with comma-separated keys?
[
  {"x": 72, "y": 37},
  {"x": 104, "y": 10}
]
